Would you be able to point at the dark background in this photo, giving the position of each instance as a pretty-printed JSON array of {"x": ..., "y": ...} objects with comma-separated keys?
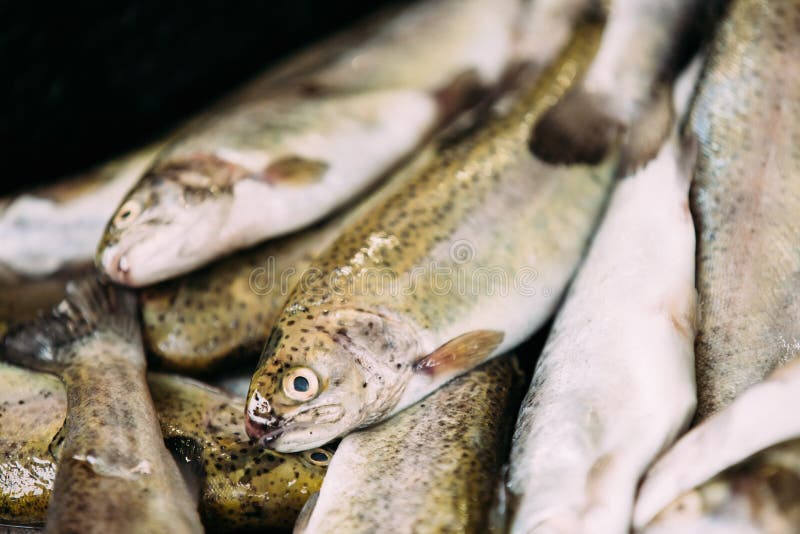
[{"x": 84, "y": 81}]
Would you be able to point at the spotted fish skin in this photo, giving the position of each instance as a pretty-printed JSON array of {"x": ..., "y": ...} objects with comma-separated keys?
[
  {"x": 745, "y": 199},
  {"x": 114, "y": 473},
  {"x": 482, "y": 203},
  {"x": 448, "y": 450},
  {"x": 240, "y": 486}
]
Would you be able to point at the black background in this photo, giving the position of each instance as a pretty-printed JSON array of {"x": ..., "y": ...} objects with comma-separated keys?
[{"x": 84, "y": 81}]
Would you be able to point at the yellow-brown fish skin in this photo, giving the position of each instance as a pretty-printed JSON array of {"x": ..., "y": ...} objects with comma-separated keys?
[
  {"x": 745, "y": 200},
  {"x": 447, "y": 450},
  {"x": 483, "y": 202},
  {"x": 114, "y": 473}
]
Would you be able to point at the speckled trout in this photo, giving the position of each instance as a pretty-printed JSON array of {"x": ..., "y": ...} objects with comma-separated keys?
[
  {"x": 745, "y": 200},
  {"x": 463, "y": 263},
  {"x": 274, "y": 165},
  {"x": 114, "y": 472},
  {"x": 447, "y": 450}
]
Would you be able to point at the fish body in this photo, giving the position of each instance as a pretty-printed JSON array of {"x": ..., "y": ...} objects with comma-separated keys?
[
  {"x": 270, "y": 166},
  {"x": 760, "y": 494},
  {"x": 756, "y": 420},
  {"x": 621, "y": 344},
  {"x": 60, "y": 225},
  {"x": 544, "y": 27},
  {"x": 443, "y": 457},
  {"x": 745, "y": 199},
  {"x": 114, "y": 473},
  {"x": 464, "y": 262},
  {"x": 626, "y": 90}
]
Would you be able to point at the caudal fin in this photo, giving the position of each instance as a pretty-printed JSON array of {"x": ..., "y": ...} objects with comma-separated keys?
[
  {"x": 577, "y": 129},
  {"x": 51, "y": 342}
]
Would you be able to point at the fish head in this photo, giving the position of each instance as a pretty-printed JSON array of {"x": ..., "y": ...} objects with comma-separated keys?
[
  {"x": 169, "y": 223},
  {"x": 321, "y": 377}
]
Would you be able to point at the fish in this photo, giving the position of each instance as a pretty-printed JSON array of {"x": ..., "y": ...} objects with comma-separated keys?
[
  {"x": 744, "y": 201},
  {"x": 272, "y": 166},
  {"x": 114, "y": 473},
  {"x": 200, "y": 424},
  {"x": 224, "y": 312},
  {"x": 756, "y": 420},
  {"x": 58, "y": 226},
  {"x": 622, "y": 342},
  {"x": 625, "y": 93},
  {"x": 447, "y": 450},
  {"x": 760, "y": 494},
  {"x": 374, "y": 328}
]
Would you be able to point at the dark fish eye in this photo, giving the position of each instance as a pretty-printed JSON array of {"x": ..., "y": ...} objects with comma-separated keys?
[
  {"x": 301, "y": 384},
  {"x": 319, "y": 457}
]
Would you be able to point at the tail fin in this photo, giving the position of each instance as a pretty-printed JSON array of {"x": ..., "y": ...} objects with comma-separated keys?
[
  {"x": 576, "y": 130},
  {"x": 49, "y": 342}
]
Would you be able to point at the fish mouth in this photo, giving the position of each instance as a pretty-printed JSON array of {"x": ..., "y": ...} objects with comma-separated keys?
[{"x": 261, "y": 432}]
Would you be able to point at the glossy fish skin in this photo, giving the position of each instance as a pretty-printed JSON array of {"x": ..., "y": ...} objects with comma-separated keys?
[
  {"x": 626, "y": 90},
  {"x": 761, "y": 494},
  {"x": 544, "y": 27},
  {"x": 754, "y": 421},
  {"x": 482, "y": 203},
  {"x": 443, "y": 456},
  {"x": 114, "y": 473},
  {"x": 199, "y": 424},
  {"x": 745, "y": 199},
  {"x": 595, "y": 416},
  {"x": 60, "y": 225},
  {"x": 242, "y": 175}
]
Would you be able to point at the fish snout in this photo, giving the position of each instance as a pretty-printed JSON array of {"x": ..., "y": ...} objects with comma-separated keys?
[
  {"x": 116, "y": 265},
  {"x": 261, "y": 423}
]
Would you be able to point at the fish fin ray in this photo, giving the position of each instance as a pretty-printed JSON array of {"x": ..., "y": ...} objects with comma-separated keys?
[
  {"x": 577, "y": 129},
  {"x": 295, "y": 170},
  {"x": 89, "y": 307},
  {"x": 461, "y": 353},
  {"x": 648, "y": 132}
]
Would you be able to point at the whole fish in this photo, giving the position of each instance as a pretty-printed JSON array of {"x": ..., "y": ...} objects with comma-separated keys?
[
  {"x": 621, "y": 344},
  {"x": 756, "y": 420},
  {"x": 443, "y": 457},
  {"x": 274, "y": 165},
  {"x": 626, "y": 90},
  {"x": 761, "y": 494},
  {"x": 240, "y": 486},
  {"x": 59, "y": 225},
  {"x": 114, "y": 473},
  {"x": 196, "y": 322},
  {"x": 461, "y": 264},
  {"x": 745, "y": 199}
]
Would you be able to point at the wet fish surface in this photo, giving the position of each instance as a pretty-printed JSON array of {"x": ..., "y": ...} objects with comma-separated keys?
[
  {"x": 114, "y": 473},
  {"x": 373, "y": 331},
  {"x": 595, "y": 415},
  {"x": 626, "y": 90},
  {"x": 57, "y": 226},
  {"x": 443, "y": 457},
  {"x": 756, "y": 420},
  {"x": 745, "y": 199},
  {"x": 241, "y": 176},
  {"x": 761, "y": 494}
]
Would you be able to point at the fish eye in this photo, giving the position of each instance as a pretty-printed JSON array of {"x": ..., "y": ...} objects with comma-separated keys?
[
  {"x": 301, "y": 384},
  {"x": 319, "y": 457},
  {"x": 127, "y": 213}
]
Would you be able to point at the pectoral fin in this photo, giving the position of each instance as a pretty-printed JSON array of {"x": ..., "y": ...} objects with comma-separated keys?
[
  {"x": 460, "y": 354},
  {"x": 295, "y": 170}
]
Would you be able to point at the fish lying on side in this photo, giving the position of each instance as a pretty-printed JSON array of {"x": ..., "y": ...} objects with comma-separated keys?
[
  {"x": 758, "y": 495},
  {"x": 756, "y": 420},
  {"x": 464, "y": 262},
  {"x": 646, "y": 43},
  {"x": 745, "y": 200},
  {"x": 274, "y": 165},
  {"x": 114, "y": 473},
  {"x": 621, "y": 344},
  {"x": 58, "y": 226},
  {"x": 240, "y": 486},
  {"x": 442, "y": 457},
  {"x": 196, "y": 322}
]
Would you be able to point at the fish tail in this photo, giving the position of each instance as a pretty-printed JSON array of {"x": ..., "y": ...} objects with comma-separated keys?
[
  {"x": 648, "y": 131},
  {"x": 577, "y": 129},
  {"x": 90, "y": 307}
]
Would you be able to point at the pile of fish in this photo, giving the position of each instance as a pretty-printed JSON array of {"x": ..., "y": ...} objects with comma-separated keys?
[{"x": 325, "y": 304}]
